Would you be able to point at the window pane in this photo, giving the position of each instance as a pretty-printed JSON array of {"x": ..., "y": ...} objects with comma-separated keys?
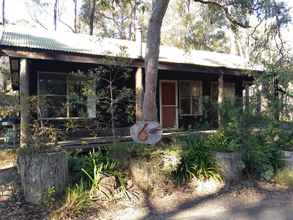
[
  {"x": 77, "y": 98},
  {"x": 196, "y": 88},
  {"x": 229, "y": 90},
  {"x": 185, "y": 105},
  {"x": 52, "y": 84},
  {"x": 195, "y": 105},
  {"x": 185, "y": 89},
  {"x": 52, "y": 106}
]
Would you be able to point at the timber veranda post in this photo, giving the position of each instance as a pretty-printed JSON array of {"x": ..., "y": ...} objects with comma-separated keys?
[
  {"x": 24, "y": 103},
  {"x": 220, "y": 99},
  {"x": 138, "y": 95}
]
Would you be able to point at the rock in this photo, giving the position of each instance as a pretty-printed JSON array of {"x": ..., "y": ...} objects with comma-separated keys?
[
  {"x": 206, "y": 187},
  {"x": 106, "y": 190},
  {"x": 41, "y": 171},
  {"x": 288, "y": 159},
  {"x": 230, "y": 165}
]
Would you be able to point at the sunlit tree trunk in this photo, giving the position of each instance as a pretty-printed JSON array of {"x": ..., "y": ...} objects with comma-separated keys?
[
  {"x": 75, "y": 16},
  {"x": 3, "y": 12},
  {"x": 92, "y": 16},
  {"x": 151, "y": 60},
  {"x": 55, "y": 14}
]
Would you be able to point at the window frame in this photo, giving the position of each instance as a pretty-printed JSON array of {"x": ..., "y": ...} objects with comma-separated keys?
[
  {"x": 200, "y": 112},
  {"x": 67, "y": 79}
]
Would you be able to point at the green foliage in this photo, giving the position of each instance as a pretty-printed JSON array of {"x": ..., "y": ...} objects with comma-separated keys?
[
  {"x": 285, "y": 177},
  {"x": 261, "y": 154},
  {"x": 93, "y": 167},
  {"x": 76, "y": 203},
  {"x": 197, "y": 161},
  {"x": 49, "y": 199},
  {"x": 220, "y": 141}
]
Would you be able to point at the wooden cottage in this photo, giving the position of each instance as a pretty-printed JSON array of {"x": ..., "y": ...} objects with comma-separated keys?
[{"x": 40, "y": 63}]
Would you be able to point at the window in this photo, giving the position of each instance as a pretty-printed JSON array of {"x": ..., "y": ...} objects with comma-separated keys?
[
  {"x": 64, "y": 96},
  {"x": 190, "y": 97},
  {"x": 229, "y": 91}
]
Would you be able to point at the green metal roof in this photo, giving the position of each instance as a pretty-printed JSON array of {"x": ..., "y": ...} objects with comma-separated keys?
[{"x": 91, "y": 45}]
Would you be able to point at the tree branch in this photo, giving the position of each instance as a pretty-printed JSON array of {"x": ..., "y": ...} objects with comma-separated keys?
[{"x": 225, "y": 10}]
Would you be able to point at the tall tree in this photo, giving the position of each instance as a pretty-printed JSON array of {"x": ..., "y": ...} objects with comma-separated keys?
[
  {"x": 56, "y": 13},
  {"x": 151, "y": 59},
  {"x": 3, "y": 12},
  {"x": 115, "y": 19},
  {"x": 92, "y": 16},
  {"x": 75, "y": 16},
  {"x": 236, "y": 12}
]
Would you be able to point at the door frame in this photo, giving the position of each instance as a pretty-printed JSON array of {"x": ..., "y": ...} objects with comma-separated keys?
[{"x": 176, "y": 103}]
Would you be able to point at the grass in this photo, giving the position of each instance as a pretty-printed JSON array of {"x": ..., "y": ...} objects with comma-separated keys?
[
  {"x": 76, "y": 203},
  {"x": 7, "y": 157},
  {"x": 285, "y": 177}
]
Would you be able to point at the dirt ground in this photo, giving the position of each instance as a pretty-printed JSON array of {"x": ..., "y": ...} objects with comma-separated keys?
[{"x": 246, "y": 201}]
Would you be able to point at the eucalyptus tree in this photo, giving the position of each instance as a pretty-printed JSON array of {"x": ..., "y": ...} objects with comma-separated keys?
[
  {"x": 114, "y": 18},
  {"x": 237, "y": 12}
]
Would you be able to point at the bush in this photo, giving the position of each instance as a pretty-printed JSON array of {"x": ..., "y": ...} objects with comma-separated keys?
[
  {"x": 221, "y": 141},
  {"x": 262, "y": 155},
  {"x": 95, "y": 166},
  {"x": 197, "y": 161}
]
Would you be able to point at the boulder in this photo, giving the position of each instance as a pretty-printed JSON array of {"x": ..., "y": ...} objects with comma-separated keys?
[
  {"x": 230, "y": 165},
  {"x": 288, "y": 159}
]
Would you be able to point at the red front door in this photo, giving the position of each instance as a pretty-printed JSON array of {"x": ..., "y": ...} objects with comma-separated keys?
[{"x": 168, "y": 104}]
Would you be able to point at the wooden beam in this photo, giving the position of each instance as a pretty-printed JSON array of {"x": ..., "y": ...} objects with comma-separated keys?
[
  {"x": 24, "y": 103},
  {"x": 68, "y": 57},
  {"x": 220, "y": 98},
  {"x": 138, "y": 95},
  {"x": 246, "y": 94},
  {"x": 99, "y": 59}
]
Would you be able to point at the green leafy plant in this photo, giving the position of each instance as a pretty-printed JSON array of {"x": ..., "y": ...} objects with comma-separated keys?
[
  {"x": 49, "y": 197},
  {"x": 262, "y": 155},
  {"x": 197, "y": 161},
  {"x": 221, "y": 141},
  {"x": 97, "y": 166}
]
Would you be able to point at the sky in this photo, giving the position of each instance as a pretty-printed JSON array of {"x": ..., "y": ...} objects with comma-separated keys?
[{"x": 18, "y": 10}]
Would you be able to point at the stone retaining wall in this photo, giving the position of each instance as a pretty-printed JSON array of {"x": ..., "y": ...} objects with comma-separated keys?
[
  {"x": 230, "y": 165},
  {"x": 288, "y": 159}
]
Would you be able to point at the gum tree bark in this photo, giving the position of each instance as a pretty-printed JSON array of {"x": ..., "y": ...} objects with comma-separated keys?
[{"x": 151, "y": 59}]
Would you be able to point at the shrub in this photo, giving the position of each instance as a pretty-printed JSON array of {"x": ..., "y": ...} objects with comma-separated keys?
[
  {"x": 262, "y": 155},
  {"x": 197, "y": 161},
  {"x": 98, "y": 165},
  {"x": 221, "y": 141}
]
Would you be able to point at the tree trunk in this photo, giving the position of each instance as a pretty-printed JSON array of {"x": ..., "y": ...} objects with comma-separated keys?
[
  {"x": 220, "y": 99},
  {"x": 40, "y": 172},
  {"x": 3, "y": 12},
  {"x": 92, "y": 17},
  {"x": 24, "y": 103},
  {"x": 55, "y": 14},
  {"x": 75, "y": 16},
  {"x": 151, "y": 59}
]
